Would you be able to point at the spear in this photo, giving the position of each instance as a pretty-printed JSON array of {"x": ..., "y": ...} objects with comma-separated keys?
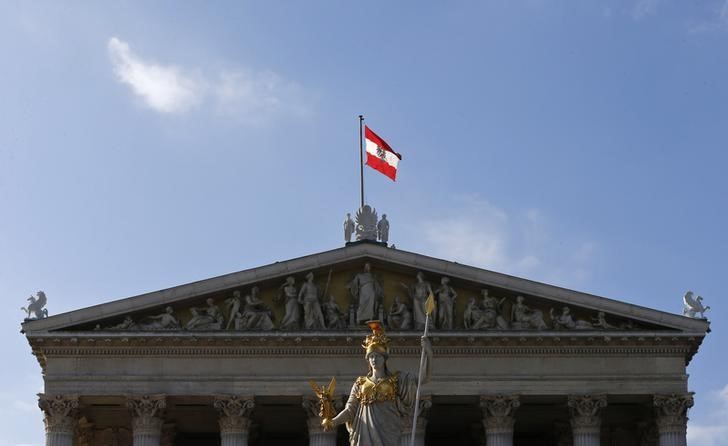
[{"x": 429, "y": 308}]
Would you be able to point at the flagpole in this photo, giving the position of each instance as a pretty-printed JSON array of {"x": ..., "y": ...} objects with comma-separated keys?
[
  {"x": 361, "y": 157},
  {"x": 428, "y": 309}
]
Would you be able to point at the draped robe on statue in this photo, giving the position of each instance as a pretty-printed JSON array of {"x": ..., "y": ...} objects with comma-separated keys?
[
  {"x": 374, "y": 410},
  {"x": 366, "y": 289}
]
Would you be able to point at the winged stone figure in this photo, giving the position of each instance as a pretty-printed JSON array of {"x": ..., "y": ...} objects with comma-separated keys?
[
  {"x": 36, "y": 306},
  {"x": 693, "y": 306},
  {"x": 366, "y": 223}
]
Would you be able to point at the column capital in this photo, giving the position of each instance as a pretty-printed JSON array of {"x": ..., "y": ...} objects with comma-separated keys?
[
  {"x": 60, "y": 412},
  {"x": 147, "y": 413},
  {"x": 234, "y": 412},
  {"x": 425, "y": 404},
  {"x": 586, "y": 412},
  {"x": 671, "y": 412},
  {"x": 498, "y": 412}
]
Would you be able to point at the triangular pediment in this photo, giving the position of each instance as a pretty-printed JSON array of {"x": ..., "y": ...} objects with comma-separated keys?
[{"x": 258, "y": 300}]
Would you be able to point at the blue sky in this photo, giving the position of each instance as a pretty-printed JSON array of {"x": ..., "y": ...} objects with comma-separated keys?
[{"x": 145, "y": 145}]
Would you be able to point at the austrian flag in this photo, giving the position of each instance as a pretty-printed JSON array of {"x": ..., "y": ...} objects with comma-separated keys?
[{"x": 379, "y": 155}]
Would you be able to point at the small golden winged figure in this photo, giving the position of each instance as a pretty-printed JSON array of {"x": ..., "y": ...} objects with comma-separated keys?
[{"x": 325, "y": 395}]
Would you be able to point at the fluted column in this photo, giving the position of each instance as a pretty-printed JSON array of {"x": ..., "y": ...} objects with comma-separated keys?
[
  {"x": 147, "y": 418},
  {"x": 671, "y": 415},
  {"x": 60, "y": 418},
  {"x": 586, "y": 420},
  {"x": 234, "y": 418},
  {"x": 316, "y": 434},
  {"x": 498, "y": 418},
  {"x": 405, "y": 438}
]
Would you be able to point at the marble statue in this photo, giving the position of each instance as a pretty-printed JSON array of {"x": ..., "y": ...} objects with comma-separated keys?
[
  {"x": 487, "y": 315},
  {"x": 383, "y": 229},
  {"x": 366, "y": 291},
  {"x": 288, "y": 294},
  {"x": 256, "y": 315},
  {"x": 164, "y": 321},
  {"x": 334, "y": 317},
  {"x": 366, "y": 223},
  {"x": 523, "y": 317},
  {"x": 36, "y": 306},
  {"x": 400, "y": 317},
  {"x": 348, "y": 227},
  {"x": 209, "y": 318},
  {"x": 380, "y": 400},
  {"x": 693, "y": 306},
  {"x": 418, "y": 292},
  {"x": 567, "y": 321},
  {"x": 308, "y": 296},
  {"x": 126, "y": 324},
  {"x": 446, "y": 297},
  {"x": 601, "y": 322},
  {"x": 233, "y": 304}
]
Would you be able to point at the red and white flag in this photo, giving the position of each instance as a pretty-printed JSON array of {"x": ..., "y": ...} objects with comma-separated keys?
[{"x": 379, "y": 155}]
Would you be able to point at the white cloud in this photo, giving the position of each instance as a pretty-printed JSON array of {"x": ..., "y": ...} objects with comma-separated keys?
[
  {"x": 163, "y": 88},
  {"x": 478, "y": 233},
  {"x": 715, "y": 432},
  {"x": 241, "y": 94}
]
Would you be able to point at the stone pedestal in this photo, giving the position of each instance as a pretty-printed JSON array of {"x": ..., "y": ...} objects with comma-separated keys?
[
  {"x": 586, "y": 421},
  {"x": 60, "y": 418},
  {"x": 316, "y": 434},
  {"x": 234, "y": 419},
  {"x": 405, "y": 439},
  {"x": 147, "y": 419},
  {"x": 499, "y": 419},
  {"x": 671, "y": 416}
]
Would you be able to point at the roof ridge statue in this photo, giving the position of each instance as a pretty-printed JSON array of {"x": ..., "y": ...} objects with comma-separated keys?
[
  {"x": 36, "y": 306},
  {"x": 693, "y": 306},
  {"x": 366, "y": 223}
]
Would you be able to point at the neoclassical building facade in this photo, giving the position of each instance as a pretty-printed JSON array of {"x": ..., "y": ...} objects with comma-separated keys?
[{"x": 228, "y": 360}]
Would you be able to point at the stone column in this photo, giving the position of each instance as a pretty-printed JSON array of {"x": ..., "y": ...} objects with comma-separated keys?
[
  {"x": 498, "y": 418},
  {"x": 586, "y": 420},
  {"x": 234, "y": 418},
  {"x": 60, "y": 418},
  {"x": 316, "y": 434},
  {"x": 671, "y": 415},
  {"x": 405, "y": 438},
  {"x": 147, "y": 418}
]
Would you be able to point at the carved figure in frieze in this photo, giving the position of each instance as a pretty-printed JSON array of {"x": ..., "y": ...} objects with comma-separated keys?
[
  {"x": 348, "y": 227},
  {"x": 366, "y": 223},
  {"x": 491, "y": 308},
  {"x": 256, "y": 315},
  {"x": 693, "y": 306},
  {"x": 308, "y": 296},
  {"x": 126, "y": 324},
  {"x": 383, "y": 229},
  {"x": 288, "y": 294},
  {"x": 601, "y": 322},
  {"x": 472, "y": 315},
  {"x": 164, "y": 321},
  {"x": 208, "y": 318},
  {"x": 400, "y": 317},
  {"x": 418, "y": 292},
  {"x": 366, "y": 291},
  {"x": 523, "y": 317},
  {"x": 335, "y": 318},
  {"x": 233, "y": 304},
  {"x": 446, "y": 297},
  {"x": 567, "y": 321},
  {"x": 36, "y": 306}
]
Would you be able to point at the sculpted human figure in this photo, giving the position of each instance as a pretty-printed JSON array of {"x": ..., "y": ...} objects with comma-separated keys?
[
  {"x": 601, "y": 322},
  {"x": 289, "y": 294},
  {"x": 126, "y": 324},
  {"x": 566, "y": 320},
  {"x": 383, "y": 229},
  {"x": 523, "y": 317},
  {"x": 256, "y": 315},
  {"x": 377, "y": 402},
  {"x": 367, "y": 293},
  {"x": 209, "y": 318},
  {"x": 233, "y": 304},
  {"x": 472, "y": 315},
  {"x": 308, "y": 296},
  {"x": 492, "y": 307},
  {"x": 400, "y": 317},
  {"x": 162, "y": 321},
  {"x": 418, "y": 292},
  {"x": 348, "y": 227},
  {"x": 446, "y": 296},
  {"x": 335, "y": 318}
]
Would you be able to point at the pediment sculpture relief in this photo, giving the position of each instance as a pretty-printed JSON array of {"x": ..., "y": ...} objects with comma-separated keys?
[{"x": 365, "y": 295}]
